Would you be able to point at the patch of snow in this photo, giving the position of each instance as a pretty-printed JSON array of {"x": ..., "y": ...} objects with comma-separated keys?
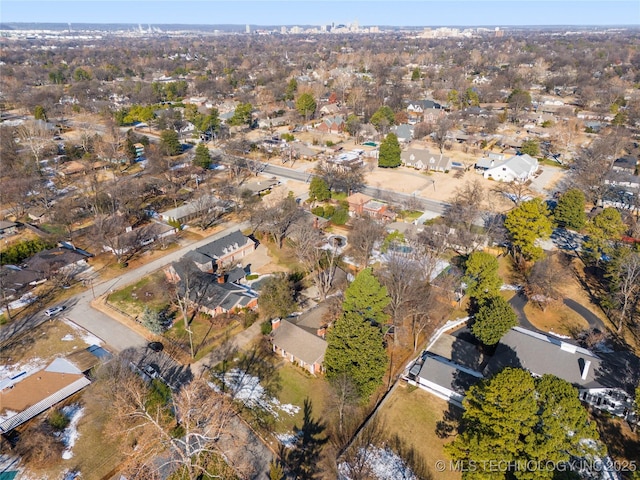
[
  {"x": 67, "y": 338},
  {"x": 602, "y": 347},
  {"x": 6, "y": 415},
  {"x": 70, "y": 434},
  {"x": 247, "y": 389},
  {"x": 23, "y": 301},
  {"x": 383, "y": 463},
  {"x": 551, "y": 332},
  {"x": 288, "y": 440},
  {"x": 71, "y": 475},
  {"x": 87, "y": 337},
  {"x": 514, "y": 288}
]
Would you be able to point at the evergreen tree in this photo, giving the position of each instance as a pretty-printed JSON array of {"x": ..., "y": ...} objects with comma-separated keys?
[
  {"x": 602, "y": 232},
  {"x": 513, "y": 417},
  {"x": 569, "y": 212},
  {"x": 242, "y": 115},
  {"x": 389, "y": 155},
  {"x": 530, "y": 147},
  {"x": 151, "y": 321},
  {"x": 319, "y": 190},
  {"x": 481, "y": 276},
  {"x": 170, "y": 143},
  {"x": 366, "y": 297},
  {"x": 494, "y": 318},
  {"x": 306, "y": 105},
  {"x": 203, "y": 156},
  {"x": 355, "y": 348},
  {"x": 526, "y": 224},
  {"x": 383, "y": 118}
]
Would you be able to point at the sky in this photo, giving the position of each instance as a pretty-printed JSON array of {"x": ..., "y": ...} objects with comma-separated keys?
[{"x": 325, "y": 12}]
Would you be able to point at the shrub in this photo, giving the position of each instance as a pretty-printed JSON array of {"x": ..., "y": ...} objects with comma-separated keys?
[
  {"x": 265, "y": 327},
  {"x": 340, "y": 217},
  {"x": 319, "y": 211},
  {"x": 253, "y": 276},
  {"x": 329, "y": 143},
  {"x": 329, "y": 210},
  {"x": 287, "y": 137},
  {"x": 58, "y": 420}
]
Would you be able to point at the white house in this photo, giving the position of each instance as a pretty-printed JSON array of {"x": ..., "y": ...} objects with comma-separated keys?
[{"x": 518, "y": 167}]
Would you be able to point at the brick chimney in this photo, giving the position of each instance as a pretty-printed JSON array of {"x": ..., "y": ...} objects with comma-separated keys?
[
  {"x": 220, "y": 278},
  {"x": 275, "y": 323}
]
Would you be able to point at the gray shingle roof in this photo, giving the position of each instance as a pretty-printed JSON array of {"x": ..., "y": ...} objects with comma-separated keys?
[
  {"x": 542, "y": 354},
  {"x": 216, "y": 249},
  {"x": 300, "y": 343},
  {"x": 447, "y": 374}
]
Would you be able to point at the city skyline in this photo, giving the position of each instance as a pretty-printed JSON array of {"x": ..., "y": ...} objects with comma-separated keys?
[{"x": 313, "y": 12}]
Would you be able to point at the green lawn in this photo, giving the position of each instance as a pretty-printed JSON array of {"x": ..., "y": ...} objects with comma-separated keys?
[
  {"x": 150, "y": 291},
  {"x": 296, "y": 385}
]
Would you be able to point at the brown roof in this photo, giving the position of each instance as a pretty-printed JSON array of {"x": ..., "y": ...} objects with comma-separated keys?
[
  {"x": 358, "y": 198},
  {"x": 35, "y": 388}
]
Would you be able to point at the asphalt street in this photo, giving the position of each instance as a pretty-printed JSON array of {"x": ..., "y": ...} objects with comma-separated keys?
[{"x": 113, "y": 333}]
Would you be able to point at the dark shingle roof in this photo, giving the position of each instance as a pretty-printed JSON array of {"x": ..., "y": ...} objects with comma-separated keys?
[
  {"x": 303, "y": 345},
  {"x": 216, "y": 249}
]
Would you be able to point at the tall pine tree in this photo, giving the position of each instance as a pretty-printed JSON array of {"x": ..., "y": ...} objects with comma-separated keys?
[{"x": 355, "y": 343}]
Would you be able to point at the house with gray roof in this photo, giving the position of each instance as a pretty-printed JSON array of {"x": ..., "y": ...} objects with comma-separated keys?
[
  {"x": 225, "y": 250},
  {"x": 605, "y": 380},
  {"x": 297, "y": 345},
  {"x": 518, "y": 167},
  {"x": 404, "y": 132},
  {"x": 425, "y": 160}
]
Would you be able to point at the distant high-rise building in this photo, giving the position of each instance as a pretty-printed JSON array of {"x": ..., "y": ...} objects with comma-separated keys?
[
  {"x": 247, "y": 29},
  {"x": 283, "y": 30}
]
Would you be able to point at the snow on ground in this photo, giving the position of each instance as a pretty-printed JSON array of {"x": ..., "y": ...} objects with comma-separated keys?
[
  {"x": 23, "y": 301},
  {"x": 85, "y": 335},
  {"x": 384, "y": 465},
  {"x": 288, "y": 440},
  {"x": 67, "y": 338},
  {"x": 70, "y": 434},
  {"x": 247, "y": 389},
  {"x": 6, "y": 415}
]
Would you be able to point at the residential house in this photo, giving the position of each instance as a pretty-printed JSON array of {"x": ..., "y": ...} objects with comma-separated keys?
[
  {"x": 356, "y": 202},
  {"x": 7, "y": 228},
  {"x": 194, "y": 209},
  {"x": 139, "y": 237},
  {"x": 39, "y": 215},
  {"x": 605, "y": 380},
  {"x": 65, "y": 261},
  {"x": 24, "y": 396},
  {"x": 225, "y": 250},
  {"x": 297, "y": 345},
  {"x": 416, "y": 109},
  {"x": 347, "y": 160},
  {"x": 330, "y": 109},
  {"x": 518, "y": 167},
  {"x": 260, "y": 186},
  {"x": 334, "y": 124},
  {"x": 404, "y": 132},
  {"x": 425, "y": 160},
  {"x": 209, "y": 293}
]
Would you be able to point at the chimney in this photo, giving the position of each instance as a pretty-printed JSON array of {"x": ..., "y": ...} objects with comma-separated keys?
[
  {"x": 275, "y": 323},
  {"x": 220, "y": 278},
  {"x": 321, "y": 332},
  {"x": 585, "y": 369}
]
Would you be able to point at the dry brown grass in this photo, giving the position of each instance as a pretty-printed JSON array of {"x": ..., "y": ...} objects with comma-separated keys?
[
  {"x": 557, "y": 318},
  {"x": 413, "y": 415},
  {"x": 44, "y": 342}
]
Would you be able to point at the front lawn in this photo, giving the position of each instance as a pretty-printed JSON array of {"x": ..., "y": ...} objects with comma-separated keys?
[{"x": 151, "y": 291}]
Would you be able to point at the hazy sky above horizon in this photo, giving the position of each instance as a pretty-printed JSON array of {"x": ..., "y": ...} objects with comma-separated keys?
[{"x": 322, "y": 12}]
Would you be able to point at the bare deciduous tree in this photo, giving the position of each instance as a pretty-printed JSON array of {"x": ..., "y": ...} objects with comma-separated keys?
[{"x": 365, "y": 232}]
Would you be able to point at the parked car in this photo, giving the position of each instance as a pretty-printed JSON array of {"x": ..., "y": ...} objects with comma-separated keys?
[
  {"x": 155, "y": 346},
  {"x": 151, "y": 371},
  {"x": 50, "y": 312}
]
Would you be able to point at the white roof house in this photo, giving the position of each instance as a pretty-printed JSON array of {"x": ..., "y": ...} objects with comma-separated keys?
[{"x": 519, "y": 167}]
